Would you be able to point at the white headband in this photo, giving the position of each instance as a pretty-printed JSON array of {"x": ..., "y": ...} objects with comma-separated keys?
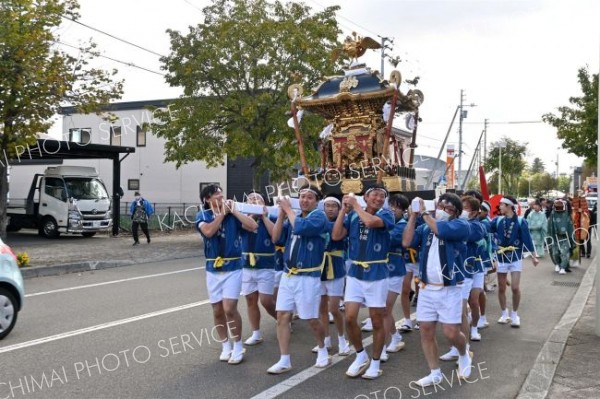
[
  {"x": 333, "y": 199},
  {"x": 310, "y": 190},
  {"x": 257, "y": 194},
  {"x": 376, "y": 188},
  {"x": 485, "y": 206},
  {"x": 507, "y": 202}
]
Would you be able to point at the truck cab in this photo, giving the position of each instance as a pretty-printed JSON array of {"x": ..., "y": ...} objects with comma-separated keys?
[{"x": 64, "y": 199}]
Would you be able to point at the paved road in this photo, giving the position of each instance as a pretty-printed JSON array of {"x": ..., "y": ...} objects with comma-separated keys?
[{"x": 144, "y": 331}]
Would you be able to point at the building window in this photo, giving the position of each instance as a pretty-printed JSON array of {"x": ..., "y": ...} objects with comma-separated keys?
[
  {"x": 133, "y": 184},
  {"x": 81, "y": 136},
  {"x": 141, "y": 137},
  {"x": 115, "y": 135}
]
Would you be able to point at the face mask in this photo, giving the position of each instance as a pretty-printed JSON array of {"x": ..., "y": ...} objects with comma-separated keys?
[
  {"x": 441, "y": 214},
  {"x": 464, "y": 215},
  {"x": 137, "y": 198}
]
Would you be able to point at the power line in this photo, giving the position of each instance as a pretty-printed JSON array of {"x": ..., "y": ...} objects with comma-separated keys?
[
  {"x": 112, "y": 36},
  {"x": 130, "y": 64},
  {"x": 193, "y": 5},
  {"x": 347, "y": 19}
]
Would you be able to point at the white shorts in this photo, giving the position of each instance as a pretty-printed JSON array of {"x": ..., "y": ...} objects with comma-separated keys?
[
  {"x": 467, "y": 285},
  {"x": 333, "y": 287},
  {"x": 223, "y": 285},
  {"x": 301, "y": 293},
  {"x": 277, "y": 278},
  {"x": 444, "y": 305},
  {"x": 372, "y": 294},
  {"x": 261, "y": 280},
  {"x": 412, "y": 268},
  {"x": 516, "y": 266},
  {"x": 395, "y": 284},
  {"x": 478, "y": 280}
]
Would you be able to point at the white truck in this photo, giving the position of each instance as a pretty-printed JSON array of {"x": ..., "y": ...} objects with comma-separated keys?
[{"x": 64, "y": 199}]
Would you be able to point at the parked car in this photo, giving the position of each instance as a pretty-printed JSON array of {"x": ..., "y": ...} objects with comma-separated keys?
[
  {"x": 12, "y": 292},
  {"x": 591, "y": 199}
]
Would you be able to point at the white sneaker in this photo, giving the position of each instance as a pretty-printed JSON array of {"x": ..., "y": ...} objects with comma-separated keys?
[
  {"x": 331, "y": 319},
  {"x": 464, "y": 367},
  {"x": 482, "y": 323},
  {"x": 430, "y": 380},
  {"x": 450, "y": 355},
  {"x": 384, "y": 357},
  {"x": 557, "y": 268},
  {"x": 395, "y": 346},
  {"x": 562, "y": 271},
  {"x": 324, "y": 362},
  {"x": 236, "y": 358},
  {"x": 316, "y": 348},
  {"x": 279, "y": 368},
  {"x": 504, "y": 319},
  {"x": 357, "y": 367},
  {"x": 253, "y": 341},
  {"x": 372, "y": 374},
  {"x": 516, "y": 322},
  {"x": 345, "y": 350},
  {"x": 475, "y": 336},
  {"x": 225, "y": 355},
  {"x": 368, "y": 326}
]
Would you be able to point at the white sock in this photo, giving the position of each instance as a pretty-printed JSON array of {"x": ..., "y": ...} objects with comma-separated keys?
[
  {"x": 408, "y": 321},
  {"x": 362, "y": 356},
  {"x": 322, "y": 353},
  {"x": 396, "y": 337},
  {"x": 505, "y": 312},
  {"x": 226, "y": 346},
  {"x": 383, "y": 352},
  {"x": 285, "y": 360},
  {"x": 482, "y": 317},
  {"x": 327, "y": 342},
  {"x": 436, "y": 372},
  {"x": 238, "y": 346},
  {"x": 375, "y": 364},
  {"x": 341, "y": 341},
  {"x": 513, "y": 314},
  {"x": 256, "y": 334},
  {"x": 474, "y": 330}
]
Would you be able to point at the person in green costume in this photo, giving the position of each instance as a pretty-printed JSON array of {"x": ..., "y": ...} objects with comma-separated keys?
[
  {"x": 560, "y": 235},
  {"x": 538, "y": 227}
]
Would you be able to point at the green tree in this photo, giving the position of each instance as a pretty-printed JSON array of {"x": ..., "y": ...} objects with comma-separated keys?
[
  {"x": 513, "y": 164},
  {"x": 36, "y": 78},
  {"x": 537, "y": 166},
  {"x": 564, "y": 183},
  {"x": 577, "y": 124},
  {"x": 235, "y": 68},
  {"x": 542, "y": 183}
]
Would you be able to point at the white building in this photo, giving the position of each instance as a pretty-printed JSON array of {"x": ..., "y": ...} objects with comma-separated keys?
[{"x": 144, "y": 171}]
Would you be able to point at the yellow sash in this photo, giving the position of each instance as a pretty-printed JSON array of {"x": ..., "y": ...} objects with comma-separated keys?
[
  {"x": 367, "y": 264},
  {"x": 412, "y": 253},
  {"x": 502, "y": 250},
  {"x": 252, "y": 257},
  {"x": 279, "y": 248},
  {"x": 329, "y": 261},
  {"x": 220, "y": 261},
  {"x": 295, "y": 270}
]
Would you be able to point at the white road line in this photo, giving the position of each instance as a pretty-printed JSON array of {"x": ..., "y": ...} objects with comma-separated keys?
[
  {"x": 98, "y": 327},
  {"x": 305, "y": 374},
  {"x": 80, "y": 287}
]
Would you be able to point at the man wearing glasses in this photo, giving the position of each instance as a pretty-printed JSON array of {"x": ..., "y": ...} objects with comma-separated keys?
[{"x": 441, "y": 273}]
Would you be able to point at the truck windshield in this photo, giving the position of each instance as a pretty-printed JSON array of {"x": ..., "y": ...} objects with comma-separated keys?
[{"x": 85, "y": 188}]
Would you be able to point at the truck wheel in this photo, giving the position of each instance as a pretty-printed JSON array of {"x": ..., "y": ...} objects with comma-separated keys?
[
  {"x": 8, "y": 312},
  {"x": 89, "y": 234},
  {"x": 49, "y": 228}
]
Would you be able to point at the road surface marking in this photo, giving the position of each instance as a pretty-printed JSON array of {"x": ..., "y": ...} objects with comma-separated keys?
[
  {"x": 80, "y": 287},
  {"x": 98, "y": 327},
  {"x": 305, "y": 374}
]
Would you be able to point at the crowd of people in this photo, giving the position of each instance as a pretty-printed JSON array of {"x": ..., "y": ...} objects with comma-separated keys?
[{"x": 313, "y": 262}]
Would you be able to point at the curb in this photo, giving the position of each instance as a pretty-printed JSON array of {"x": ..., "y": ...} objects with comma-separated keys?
[
  {"x": 56, "y": 270},
  {"x": 540, "y": 376}
]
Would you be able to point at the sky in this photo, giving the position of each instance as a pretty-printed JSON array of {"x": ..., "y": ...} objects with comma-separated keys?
[{"x": 515, "y": 60}]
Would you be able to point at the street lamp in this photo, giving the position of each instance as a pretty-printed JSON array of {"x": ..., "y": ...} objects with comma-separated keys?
[{"x": 501, "y": 145}]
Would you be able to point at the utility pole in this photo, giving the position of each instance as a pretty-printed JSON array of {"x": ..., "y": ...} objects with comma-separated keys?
[
  {"x": 384, "y": 46},
  {"x": 485, "y": 125},
  {"x": 460, "y": 123}
]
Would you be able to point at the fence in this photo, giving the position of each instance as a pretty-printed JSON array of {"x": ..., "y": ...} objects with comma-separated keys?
[{"x": 167, "y": 216}]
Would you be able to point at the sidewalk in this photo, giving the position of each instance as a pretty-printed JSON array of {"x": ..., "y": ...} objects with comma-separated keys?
[
  {"x": 578, "y": 372},
  {"x": 70, "y": 254}
]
